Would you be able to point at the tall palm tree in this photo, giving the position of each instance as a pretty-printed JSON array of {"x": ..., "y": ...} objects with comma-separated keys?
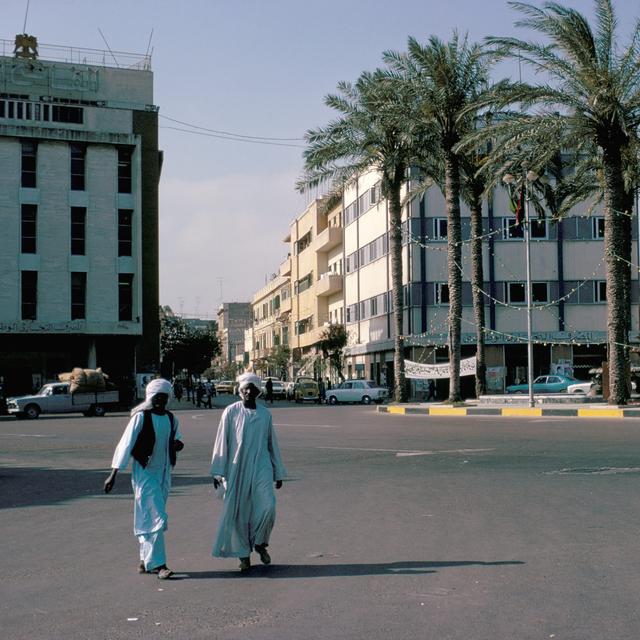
[
  {"x": 588, "y": 99},
  {"x": 371, "y": 132},
  {"x": 446, "y": 78}
]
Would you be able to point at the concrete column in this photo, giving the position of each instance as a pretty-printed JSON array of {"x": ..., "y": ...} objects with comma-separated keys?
[{"x": 91, "y": 354}]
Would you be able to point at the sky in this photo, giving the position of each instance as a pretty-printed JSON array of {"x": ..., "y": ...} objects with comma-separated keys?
[{"x": 257, "y": 68}]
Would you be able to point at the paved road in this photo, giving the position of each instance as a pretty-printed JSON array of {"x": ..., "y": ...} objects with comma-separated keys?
[{"x": 389, "y": 527}]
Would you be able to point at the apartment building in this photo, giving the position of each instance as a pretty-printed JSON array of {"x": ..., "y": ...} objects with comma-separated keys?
[
  {"x": 79, "y": 177},
  {"x": 271, "y": 321},
  {"x": 233, "y": 319},
  {"x": 317, "y": 278}
]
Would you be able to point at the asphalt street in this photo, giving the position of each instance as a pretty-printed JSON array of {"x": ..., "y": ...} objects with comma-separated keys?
[{"x": 394, "y": 527}]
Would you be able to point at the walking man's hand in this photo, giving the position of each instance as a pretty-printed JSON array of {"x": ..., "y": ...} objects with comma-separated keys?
[
  {"x": 216, "y": 483},
  {"x": 278, "y": 484},
  {"x": 110, "y": 481}
]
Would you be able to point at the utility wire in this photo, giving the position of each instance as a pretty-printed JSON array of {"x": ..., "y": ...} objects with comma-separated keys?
[{"x": 222, "y": 137}]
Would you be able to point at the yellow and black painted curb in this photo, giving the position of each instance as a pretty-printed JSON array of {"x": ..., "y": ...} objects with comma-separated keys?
[{"x": 531, "y": 412}]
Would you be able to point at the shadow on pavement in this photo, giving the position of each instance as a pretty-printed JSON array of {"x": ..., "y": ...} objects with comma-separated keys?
[
  {"x": 33, "y": 486},
  {"x": 341, "y": 570}
]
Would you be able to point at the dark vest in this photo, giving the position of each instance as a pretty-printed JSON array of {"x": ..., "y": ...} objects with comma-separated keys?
[{"x": 146, "y": 440}]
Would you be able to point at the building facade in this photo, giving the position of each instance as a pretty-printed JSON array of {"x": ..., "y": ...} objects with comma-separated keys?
[
  {"x": 79, "y": 177},
  {"x": 233, "y": 319}
]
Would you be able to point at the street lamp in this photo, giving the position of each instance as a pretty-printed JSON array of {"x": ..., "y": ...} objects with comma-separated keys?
[{"x": 509, "y": 179}]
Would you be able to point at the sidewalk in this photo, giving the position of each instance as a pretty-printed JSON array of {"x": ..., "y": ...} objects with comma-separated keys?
[{"x": 473, "y": 408}]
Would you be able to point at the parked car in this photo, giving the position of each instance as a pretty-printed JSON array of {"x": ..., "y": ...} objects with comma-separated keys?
[
  {"x": 581, "y": 387},
  {"x": 225, "y": 386},
  {"x": 279, "y": 389},
  {"x": 306, "y": 389},
  {"x": 55, "y": 397},
  {"x": 288, "y": 389},
  {"x": 545, "y": 384},
  {"x": 363, "y": 391}
]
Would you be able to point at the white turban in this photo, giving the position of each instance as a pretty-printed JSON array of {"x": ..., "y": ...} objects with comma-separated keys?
[
  {"x": 157, "y": 385},
  {"x": 249, "y": 378}
]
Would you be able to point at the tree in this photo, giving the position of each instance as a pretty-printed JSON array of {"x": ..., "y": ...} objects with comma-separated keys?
[
  {"x": 446, "y": 78},
  {"x": 185, "y": 347},
  {"x": 588, "y": 99},
  {"x": 332, "y": 342},
  {"x": 372, "y": 132}
]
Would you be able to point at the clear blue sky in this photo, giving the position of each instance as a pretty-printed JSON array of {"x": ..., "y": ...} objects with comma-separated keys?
[{"x": 253, "y": 67}]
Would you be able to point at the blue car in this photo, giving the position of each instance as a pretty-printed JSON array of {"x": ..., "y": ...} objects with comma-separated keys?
[{"x": 544, "y": 384}]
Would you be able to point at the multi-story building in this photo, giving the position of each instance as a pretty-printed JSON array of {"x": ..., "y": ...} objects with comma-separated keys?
[
  {"x": 233, "y": 319},
  {"x": 569, "y": 293},
  {"x": 317, "y": 273},
  {"x": 79, "y": 173},
  {"x": 271, "y": 321}
]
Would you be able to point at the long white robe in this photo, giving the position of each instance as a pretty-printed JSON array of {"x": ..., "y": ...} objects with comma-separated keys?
[
  {"x": 247, "y": 455},
  {"x": 151, "y": 484}
]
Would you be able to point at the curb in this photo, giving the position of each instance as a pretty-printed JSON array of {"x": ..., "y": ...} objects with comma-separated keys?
[{"x": 509, "y": 412}]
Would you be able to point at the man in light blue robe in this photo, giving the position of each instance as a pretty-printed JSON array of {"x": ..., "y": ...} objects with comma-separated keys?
[
  {"x": 246, "y": 457},
  {"x": 150, "y": 440}
]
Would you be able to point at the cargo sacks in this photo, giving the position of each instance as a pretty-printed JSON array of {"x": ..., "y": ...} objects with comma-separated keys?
[{"x": 85, "y": 380}]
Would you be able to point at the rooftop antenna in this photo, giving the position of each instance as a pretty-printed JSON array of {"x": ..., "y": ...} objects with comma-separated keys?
[
  {"x": 108, "y": 47},
  {"x": 149, "y": 43},
  {"x": 26, "y": 13}
]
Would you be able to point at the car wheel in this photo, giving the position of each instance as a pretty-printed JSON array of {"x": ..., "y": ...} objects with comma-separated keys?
[
  {"x": 99, "y": 411},
  {"x": 366, "y": 400},
  {"x": 32, "y": 411},
  {"x": 333, "y": 400}
]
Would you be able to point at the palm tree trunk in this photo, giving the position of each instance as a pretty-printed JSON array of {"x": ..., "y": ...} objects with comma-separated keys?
[
  {"x": 614, "y": 247},
  {"x": 454, "y": 266},
  {"x": 477, "y": 283},
  {"x": 395, "y": 247}
]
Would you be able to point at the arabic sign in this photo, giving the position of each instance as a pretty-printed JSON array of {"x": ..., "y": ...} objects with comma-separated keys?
[{"x": 419, "y": 371}]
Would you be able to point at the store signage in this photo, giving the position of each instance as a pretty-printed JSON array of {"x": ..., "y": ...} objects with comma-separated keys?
[{"x": 421, "y": 371}]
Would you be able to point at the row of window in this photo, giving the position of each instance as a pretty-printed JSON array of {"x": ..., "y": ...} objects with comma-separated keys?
[
  {"x": 77, "y": 166},
  {"x": 303, "y": 326},
  {"x": 41, "y": 112},
  {"x": 78, "y": 311},
  {"x": 78, "y": 230},
  {"x": 303, "y": 284},
  {"x": 364, "y": 202},
  {"x": 276, "y": 340},
  {"x": 368, "y": 253}
]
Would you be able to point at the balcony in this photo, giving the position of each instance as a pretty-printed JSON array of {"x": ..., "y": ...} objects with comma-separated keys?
[
  {"x": 328, "y": 239},
  {"x": 329, "y": 284},
  {"x": 285, "y": 307},
  {"x": 285, "y": 268}
]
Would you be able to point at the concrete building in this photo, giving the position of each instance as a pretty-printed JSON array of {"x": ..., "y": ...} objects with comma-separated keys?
[
  {"x": 79, "y": 173},
  {"x": 233, "y": 319}
]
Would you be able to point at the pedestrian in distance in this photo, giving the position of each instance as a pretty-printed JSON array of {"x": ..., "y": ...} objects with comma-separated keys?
[
  {"x": 269, "y": 389},
  {"x": 431, "y": 390},
  {"x": 177, "y": 390},
  {"x": 199, "y": 394},
  {"x": 208, "y": 395},
  {"x": 322, "y": 391},
  {"x": 151, "y": 440},
  {"x": 246, "y": 459}
]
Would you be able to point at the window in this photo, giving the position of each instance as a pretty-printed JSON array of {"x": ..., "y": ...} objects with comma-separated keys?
[
  {"x": 442, "y": 293},
  {"x": 28, "y": 167},
  {"x": 125, "y": 296},
  {"x": 516, "y": 292},
  {"x": 302, "y": 326},
  {"x": 125, "y": 232},
  {"x": 304, "y": 283},
  {"x": 78, "y": 230},
  {"x": 600, "y": 291},
  {"x": 597, "y": 228},
  {"x": 78, "y": 154},
  {"x": 61, "y": 113},
  {"x": 539, "y": 292},
  {"x": 124, "y": 170},
  {"x": 511, "y": 231},
  {"x": 78, "y": 295},
  {"x": 29, "y": 294},
  {"x": 28, "y": 240},
  {"x": 374, "y": 306},
  {"x": 440, "y": 229},
  {"x": 539, "y": 228},
  {"x": 303, "y": 243}
]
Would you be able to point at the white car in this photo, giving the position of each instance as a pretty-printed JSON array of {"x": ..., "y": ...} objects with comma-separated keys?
[
  {"x": 580, "y": 387},
  {"x": 363, "y": 391}
]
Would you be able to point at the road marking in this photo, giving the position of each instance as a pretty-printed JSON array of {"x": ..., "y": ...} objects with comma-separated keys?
[
  {"x": 299, "y": 424},
  {"x": 408, "y": 452},
  {"x": 26, "y": 435},
  {"x": 599, "y": 471},
  {"x": 597, "y": 413},
  {"x": 524, "y": 411}
]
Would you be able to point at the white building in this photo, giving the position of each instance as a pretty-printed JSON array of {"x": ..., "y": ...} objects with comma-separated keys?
[{"x": 79, "y": 172}]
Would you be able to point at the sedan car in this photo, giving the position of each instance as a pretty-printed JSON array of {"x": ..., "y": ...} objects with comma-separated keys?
[
  {"x": 363, "y": 391},
  {"x": 580, "y": 387},
  {"x": 545, "y": 384},
  {"x": 225, "y": 386}
]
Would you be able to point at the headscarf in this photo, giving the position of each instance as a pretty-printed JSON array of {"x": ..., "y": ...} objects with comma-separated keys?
[
  {"x": 249, "y": 378},
  {"x": 157, "y": 385}
]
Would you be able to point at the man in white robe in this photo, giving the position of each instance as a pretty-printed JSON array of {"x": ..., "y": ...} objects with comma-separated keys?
[
  {"x": 247, "y": 457},
  {"x": 150, "y": 440}
]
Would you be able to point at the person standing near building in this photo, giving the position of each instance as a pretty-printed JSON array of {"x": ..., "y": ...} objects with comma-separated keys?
[
  {"x": 151, "y": 439},
  {"x": 269, "y": 389},
  {"x": 246, "y": 457}
]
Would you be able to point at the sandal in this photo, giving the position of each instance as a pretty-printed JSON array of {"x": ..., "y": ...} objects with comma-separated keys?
[
  {"x": 142, "y": 568},
  {"x": 164, "y": 573},
  {"x": 261, "y": 550}
]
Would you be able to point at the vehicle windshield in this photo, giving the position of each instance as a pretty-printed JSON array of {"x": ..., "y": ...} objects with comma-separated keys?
[{"x": 44, "y": 390}]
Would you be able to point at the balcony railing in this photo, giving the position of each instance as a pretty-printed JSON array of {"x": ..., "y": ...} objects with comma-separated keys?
[
  {"x": 328, "y": 239},
  {"x": 328, "y": 284},
  {"x": 285, "y": 267}
]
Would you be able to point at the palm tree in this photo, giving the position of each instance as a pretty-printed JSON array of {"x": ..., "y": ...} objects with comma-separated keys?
[
  {"x": 446, "y": 78},
  {"x": 589, "y": 100},
  {"x": 372, "y": 132}
]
